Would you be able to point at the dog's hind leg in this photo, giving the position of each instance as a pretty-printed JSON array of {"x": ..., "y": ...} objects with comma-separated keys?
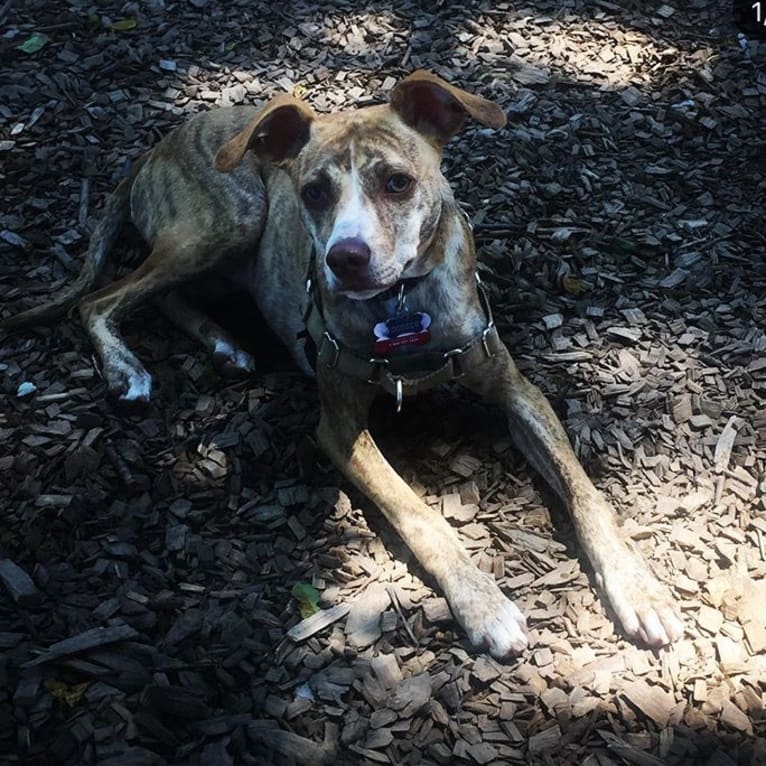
[
  {"x": 168, "y": 264},
  {"x": 228, "y": 358},
  {"x": 478, "y": 604},
  {"x": 643, "y": 605}
]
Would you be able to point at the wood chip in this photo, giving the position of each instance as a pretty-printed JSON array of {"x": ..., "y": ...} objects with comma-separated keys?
[
  {"x": 725, "y": 443},
  {"x": 545, "y": 741},
  {"x": 624, "y": 334},
  {"x": 18, "y": 583},
  {"x": 652, "y": 701},
  {"x": 485, "y": 669},
  {"x": 410, "y": 695},
  {"x": 732, "y": 716},
  {"x": 317, "y": 621},
  {"x": 83, "y": 642},
  {"x": 301, "y": 749},
  {"x": 482, "y": 752},
  {"x": 437, "y": 610},
  {"x": 386, "y": 670},
  {"x": 628, "y": 752},
  {"x": 363, "y": 624},
  {"x": 465, "y": 465},
  {"x": 453, "y": 508},
  {"x": 709, "y": 619},
  {"x": 755, "y": 634}
]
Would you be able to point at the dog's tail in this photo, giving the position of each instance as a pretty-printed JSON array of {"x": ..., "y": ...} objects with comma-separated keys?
[{"x": 116, "y": 212}]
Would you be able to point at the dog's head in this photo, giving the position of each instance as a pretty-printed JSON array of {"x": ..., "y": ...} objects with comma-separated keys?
[{"x": 369, "y": 181}]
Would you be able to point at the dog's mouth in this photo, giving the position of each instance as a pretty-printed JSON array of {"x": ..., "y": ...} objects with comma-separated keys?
[
  {"x": 364, "y": 293},
  {"x": 365, "y": 290}
]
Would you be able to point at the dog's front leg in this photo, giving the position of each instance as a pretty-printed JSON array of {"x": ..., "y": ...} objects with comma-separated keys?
[
  {"x": 486, "y": 615},
  {"x": 228, "y": 358},
  {"x": 643, "y": 605}
]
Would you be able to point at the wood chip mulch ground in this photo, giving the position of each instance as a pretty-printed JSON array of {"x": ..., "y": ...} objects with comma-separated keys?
[{"x": 155, "y": 569}]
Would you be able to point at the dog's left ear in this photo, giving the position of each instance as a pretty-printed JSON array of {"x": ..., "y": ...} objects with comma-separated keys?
[
  {"x": 277, "y": 133},
  {"x": 439, "y": 110}
]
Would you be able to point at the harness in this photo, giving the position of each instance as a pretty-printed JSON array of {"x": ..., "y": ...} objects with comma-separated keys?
[{"x": 399, "y": 374}]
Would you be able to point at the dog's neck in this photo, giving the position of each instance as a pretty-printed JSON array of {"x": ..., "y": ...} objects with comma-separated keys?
[{"x": 447, "y": 293}]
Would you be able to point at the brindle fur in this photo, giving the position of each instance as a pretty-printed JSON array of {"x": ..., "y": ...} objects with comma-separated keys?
[{"x": 222, "y": 194}]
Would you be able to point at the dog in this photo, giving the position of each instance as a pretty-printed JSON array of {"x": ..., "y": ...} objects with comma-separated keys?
[{"x": 360, "y": 260}]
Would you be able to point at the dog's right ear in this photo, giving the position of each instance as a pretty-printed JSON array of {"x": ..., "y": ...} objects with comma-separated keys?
[{"x": 278, "y": 132}]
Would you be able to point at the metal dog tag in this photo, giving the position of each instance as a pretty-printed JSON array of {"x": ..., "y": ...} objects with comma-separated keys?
[{"x": 402, "y": 330}]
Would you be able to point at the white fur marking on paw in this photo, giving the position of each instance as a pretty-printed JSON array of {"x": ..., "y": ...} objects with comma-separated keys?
[
  {"x": 139, "y": 385},
  {"x": 123, "y": 372},
  {"x": 506, "y": 633},
  {"x": 489, "y": 618},
  {"x": 245, "y": 361},
  {"x": 224, "y": 348},
  {"x": 236, "y": 356},
  {"x": 643, "y": 605}
]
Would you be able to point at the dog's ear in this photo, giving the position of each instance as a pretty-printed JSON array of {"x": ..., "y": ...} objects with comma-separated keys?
[
  {"x": 439, "y": 110},
  {"x": 278, "y": 132}
]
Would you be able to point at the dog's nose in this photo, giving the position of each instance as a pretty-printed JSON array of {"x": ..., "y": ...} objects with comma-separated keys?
[{"x": 349, "y": 258}]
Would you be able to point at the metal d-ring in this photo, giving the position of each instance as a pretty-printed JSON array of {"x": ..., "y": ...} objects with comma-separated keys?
[
  {"x": 399, "y": 395},
  {"x": 336, "y": 349},
  {"x": 400, "y": 299}
]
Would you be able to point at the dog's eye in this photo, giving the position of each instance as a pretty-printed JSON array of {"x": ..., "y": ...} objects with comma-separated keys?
[
  {"x": 398, "y": 183},
  {"x": 314, "y": 194}
]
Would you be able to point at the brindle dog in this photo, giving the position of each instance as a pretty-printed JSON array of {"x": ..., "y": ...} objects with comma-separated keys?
[{"x": 357, "y": 201}]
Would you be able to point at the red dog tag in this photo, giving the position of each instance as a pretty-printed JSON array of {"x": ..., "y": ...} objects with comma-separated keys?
[{"x": 402, "y": 330}]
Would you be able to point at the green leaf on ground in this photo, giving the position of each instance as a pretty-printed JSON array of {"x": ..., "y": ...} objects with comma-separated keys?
[
  {"x": 574, "y": 285},
  {"x": 307, "y": 597},
  {"x": 34, "y": 43},
  {"x": 124, "y": 25},
  {"x": 66, "y": 693}
]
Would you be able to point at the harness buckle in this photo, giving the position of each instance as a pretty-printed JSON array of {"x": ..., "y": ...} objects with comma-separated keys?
[
  {"x": 336, "y": 348},
  {"x": 378, "y": 363},
  {"x": 484, "y": 342},
  {"x": 457, "y": 366}
]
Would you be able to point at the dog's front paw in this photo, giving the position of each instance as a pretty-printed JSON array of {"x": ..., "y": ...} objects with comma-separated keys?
[
  {"x": 130, "y": 385},
  {"x": 232, "y": 362},
  {"x": 491, "y": 621},
  {"x": 643, "y": 605}
]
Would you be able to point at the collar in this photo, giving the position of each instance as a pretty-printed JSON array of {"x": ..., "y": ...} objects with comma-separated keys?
[{"x": 399, "y": 374}]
